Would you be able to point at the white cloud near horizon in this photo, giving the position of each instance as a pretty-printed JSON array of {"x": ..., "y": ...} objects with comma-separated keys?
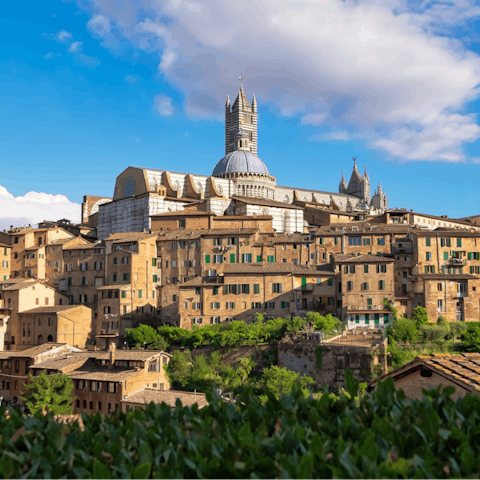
[
  {"x": 390, "y": 73},
  {"x": 35, "y": 207}
]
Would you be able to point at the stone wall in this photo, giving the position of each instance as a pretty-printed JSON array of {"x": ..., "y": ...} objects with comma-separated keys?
[{"x": 327, "y": 362}]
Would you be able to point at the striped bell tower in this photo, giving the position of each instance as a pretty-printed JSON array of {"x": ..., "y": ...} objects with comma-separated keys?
[{"x": 241, "y": 116}]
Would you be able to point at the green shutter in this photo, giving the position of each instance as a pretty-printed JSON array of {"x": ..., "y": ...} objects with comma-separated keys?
[
  {"x": 304, "y": 283},
  {"x": 207, "y": 258},
  {"x": 211, "y": 305},
  {"x": 428, "y": 242},
  {"x": 69, "y": 280},
  {"x": 426, "y": 269},
  {"x": 469, "y": 255},
  {"x": 367, "y": 318},
  {"x": 259, "y": 258},
  {"x": 243, "y": 258},
  {"x": 472, "y": 269},
  {"x": 139, "y": 294},
  {"x": 330, "y": 281},
  {"x": 283, "y": 304},
  {"x": 154, "y": 279},
  {"x": 365, "y": 269},
  {"x": 232, "y": 258},
  {"x": 459, "y": 242},
  {"x": 433, "y": 269},
  {"x": 336, "y": 240},
  {"x": 114, "y": 260},
  {"x": 83, "y": 280},
  {"x": 225, "y": 289},
  {"x": 253, "y": 304},
  {"x": 445, "y": 255},
  {"x": 443, "y": 269},
  {"x": 442, "y": 242},
  {"x": 154, "y": 262},
  {"x": 256, "y": 288},
  {"x": 369, "y": 302}
]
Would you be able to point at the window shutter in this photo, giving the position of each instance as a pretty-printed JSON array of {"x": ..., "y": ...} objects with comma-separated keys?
[
  {"x": 256, "y": 288},
  {"x": 232, "y": 258},
  {"x": 471, "y": 269},
  {"x": 233, "y": 305},
  {"x": 433, "y": 269},
  {"x": 226, "y": 289},
  {"x": 469, "y": 255},
  {"x": 211, "y": 305},
  {"x": 365, "y": 269},
  {"x": 259, "y": 258},
  {"x": 207, "y": 258},
  {"x": 280, "y": 290},
  {"x": 426, "y": 269},
  {"x": 442, "y": 242}
]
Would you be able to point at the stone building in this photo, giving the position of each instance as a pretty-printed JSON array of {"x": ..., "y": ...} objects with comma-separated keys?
[
  {"x": 57, "y": 323},
  {"x": 240, "y": 184},
  {"x": 431, "y": 371},
  {"x": 18, "y": 297},
  {"x": 366, "y": 282},
  {"x": 5, "y": 261}
]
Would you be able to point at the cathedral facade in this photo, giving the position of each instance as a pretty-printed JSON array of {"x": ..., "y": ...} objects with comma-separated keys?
[{"x": 240, "y": 184}]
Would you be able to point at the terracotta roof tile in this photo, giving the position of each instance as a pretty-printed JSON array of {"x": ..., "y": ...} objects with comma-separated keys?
[
  {"x": 352, "y": 258},
  {"x": 52, "y": 309},
  {"x": 266, "y": 268},
  {"x": 129, "y": 236}
]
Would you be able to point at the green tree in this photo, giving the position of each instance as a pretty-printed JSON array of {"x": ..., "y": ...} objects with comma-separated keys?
[
  {"x": 404, "y": 330},
  {"x": 325, "y": 323},
  {"x": 50, "y": 392},
  {"x": 295, "y": 324},
  {"x": 419, "y": 316},
  {"x": 179, "y": 369},
  {"x": 160, "y": 343},
  {"x": 280, "y": 380},
  {"x": 471, "y": 338},
  {"x": 140, "y": 335}
]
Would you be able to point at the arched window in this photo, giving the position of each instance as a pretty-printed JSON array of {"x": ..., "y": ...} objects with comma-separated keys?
[
  {"x": 50, "y": 338},
  {"x": 40, "y": 339},
  {"x": 286, "y": 199}
]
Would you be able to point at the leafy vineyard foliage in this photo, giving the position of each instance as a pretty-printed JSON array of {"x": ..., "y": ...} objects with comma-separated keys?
[{"x": 372, "y": 435}]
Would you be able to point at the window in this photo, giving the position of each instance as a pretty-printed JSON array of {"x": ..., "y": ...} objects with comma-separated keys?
[
  {"x": 125, "y": 277},
  {"x": 366, "y": 241},
  {"x": 381, "y": 285},
  {"x": 215, "y": 305},
  {"x": 330, "y": 282},
  {"x": 461, "y": 288},
  {"x": 232, "y": 240},
  {"x": 428, "y": 256},
  {"x": 181, "y": 224},
  {"x": 270, "y": 305},
  {"x": 459, "y": 242},
  {"x": 218, "y": 259},
  {"x": 256, "y": 288},
  {"x": 256, "y": 305},
  {"x": 215, "y": 290},
  {"x": 349, "y": 285},
  {"x": 207, "y": 258},
  {"x": 439, "y": 287},
  {"x": 440, "y": 305},
  {"x": 197, "y": 320},
  {"x": 123, "y": 294},
  {"x": 428, "y": 242},
  {"x": 354, "y": 240},
  {"x": 230, "y": 305},
  {"x": 271, "y": 259},
  {"x": 197, "y": 305},
  {"x": 182, "y": 244},
  {"x": 231, "y": 289},
  {"x": 365, "y": 286},
  {"x": 321, "y": 241},
  {"x": 217, "y": 241},
  {"x": 174, "y": 298},
  {"x": 381, "y": 269},
  {"x": 245, "y": 288},
  {"x": 277, "y": 287},
  {"x": 369, "y": 303},
  {"x": 214, "y": 319},
  {"x": 349, "y": 269},
  {"x": 246, "y": 258},
  {"x": 380, "y": 241},
  {"x": 114, "y": 260}
]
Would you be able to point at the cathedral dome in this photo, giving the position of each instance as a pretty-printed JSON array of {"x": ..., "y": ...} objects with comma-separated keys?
[{"x": 240, "y": 161}]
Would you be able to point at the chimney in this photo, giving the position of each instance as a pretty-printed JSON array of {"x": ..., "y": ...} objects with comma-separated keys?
[{"x": 112, "y": 355}]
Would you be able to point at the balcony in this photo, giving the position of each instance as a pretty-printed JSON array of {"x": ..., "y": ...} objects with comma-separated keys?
[{"x": 457, "y": 261}]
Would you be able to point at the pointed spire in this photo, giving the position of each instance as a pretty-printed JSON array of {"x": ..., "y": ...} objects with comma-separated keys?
[
  {"x": 228, "y": 101},
  {"x": 365, "y": 174},
  {"x": 379, "y": 189},
  {"x": 254, "y": 100}
]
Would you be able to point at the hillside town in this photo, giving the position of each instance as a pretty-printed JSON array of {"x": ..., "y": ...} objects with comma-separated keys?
[{"x": 187, "y": 250}]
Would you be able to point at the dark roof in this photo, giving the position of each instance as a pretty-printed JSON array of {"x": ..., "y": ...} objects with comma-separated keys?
[
  {"x": 266, "y": 202},
  {"x": 25, "y": 284},
  {"x": 448, "y": 276},
  {"x": 123, "y": 237},
  {"x": 52, "y": 309},
  {"x": 266, "y": 268},
  {"x": 352, "y": 258}
]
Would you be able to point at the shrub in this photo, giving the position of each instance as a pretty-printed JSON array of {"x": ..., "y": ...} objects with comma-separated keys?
[
  {"x": 471, "y": 337},
  {"x": 419, "y": 316},
  {"x": 404, "y": 330},
  {"x": 371, "y": 435}
]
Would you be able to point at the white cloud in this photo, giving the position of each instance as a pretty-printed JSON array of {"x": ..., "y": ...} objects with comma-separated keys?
[
  {"x": 63, "y": 36},
  {"x": 163, "y": 105},
  {"x": 34, "y": 207},
  {"x": 391, "y": 71},
  {"x": 100, "y": 25},
  {"x": 75, "y": 47}
]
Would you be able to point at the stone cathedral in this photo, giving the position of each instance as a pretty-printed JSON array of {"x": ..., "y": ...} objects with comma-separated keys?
[{"x": 240, "y": 184}]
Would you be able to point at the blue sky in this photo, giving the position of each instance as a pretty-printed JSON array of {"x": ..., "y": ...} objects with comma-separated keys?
[{"x": 89, "y": 88}]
